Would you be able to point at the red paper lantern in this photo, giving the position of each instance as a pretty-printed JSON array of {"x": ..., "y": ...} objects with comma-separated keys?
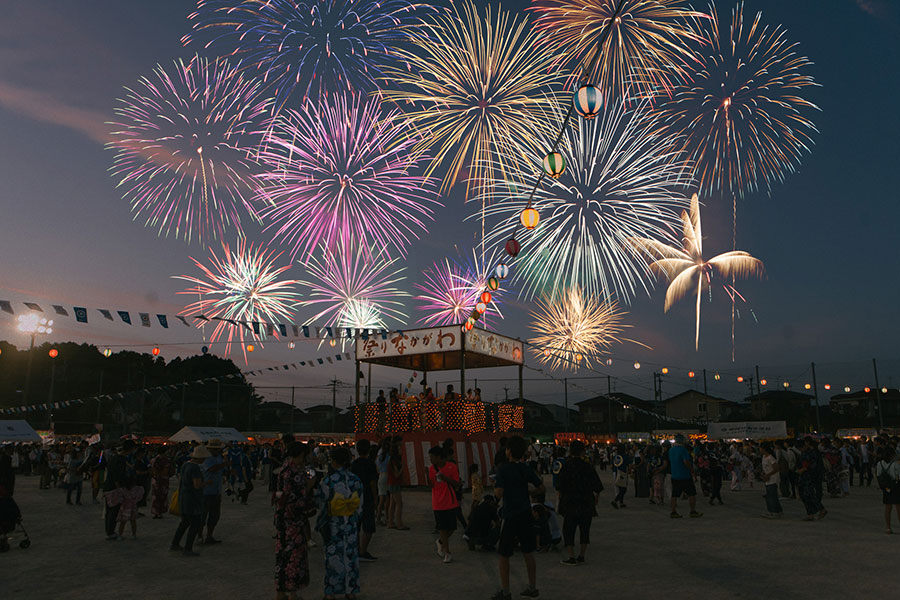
[
  {"x": 486, "y": 297},
  {"x": 155, "y": 351},
  {"x": 512, "y": 247},
  {"x": 250, "y": 348},
  {"x": 53, "y": 353}
]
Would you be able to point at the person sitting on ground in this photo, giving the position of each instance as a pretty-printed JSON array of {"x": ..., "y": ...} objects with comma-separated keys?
[{"x": 484, "y": 525}]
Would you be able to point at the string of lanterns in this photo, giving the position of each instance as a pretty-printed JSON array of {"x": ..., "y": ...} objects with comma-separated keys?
[{"x": 587, "y": 102}]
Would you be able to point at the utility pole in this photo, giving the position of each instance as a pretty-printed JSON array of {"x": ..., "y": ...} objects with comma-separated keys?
[
  {"x": 878, "y": 396},
  {"x": 218, "y": 399},
  {"x": 292, "y": 409},
  {"x": 704, "y": 382},
  {"x": 334, "y": 383},
  {"x": 183, "y": 393},
  {"x": 566, "y": 386},
  {"x": 609, "y": 402},
  {"x": 816, "y": 392},
  {"x": 99, "y": 393}
]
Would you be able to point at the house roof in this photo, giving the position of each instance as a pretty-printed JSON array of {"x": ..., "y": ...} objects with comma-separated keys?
[
  {"x": 892, "y": 393},
  {"x": 780, "y": 396},
  {"x": 697, "y": 393},
  {"x": 619, "y": 397}
]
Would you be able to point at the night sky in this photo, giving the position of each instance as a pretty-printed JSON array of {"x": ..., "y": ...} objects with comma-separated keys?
[{"x": 828, "y": 235}]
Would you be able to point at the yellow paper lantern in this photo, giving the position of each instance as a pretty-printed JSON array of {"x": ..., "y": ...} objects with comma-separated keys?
[{"x": 530, "y": 218}]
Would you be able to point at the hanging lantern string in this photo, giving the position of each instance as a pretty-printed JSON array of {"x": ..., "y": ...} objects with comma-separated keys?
[{"x": 585, "y": 73}]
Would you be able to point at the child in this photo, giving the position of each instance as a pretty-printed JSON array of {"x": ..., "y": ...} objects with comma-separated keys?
[
  {"x": 620, "y": 467},
  {"x": 444, "y": 478},
  {"x": 129, "y": 496}
]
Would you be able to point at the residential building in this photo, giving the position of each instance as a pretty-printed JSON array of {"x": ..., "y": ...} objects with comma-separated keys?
[{"x": 696, "y": 406}]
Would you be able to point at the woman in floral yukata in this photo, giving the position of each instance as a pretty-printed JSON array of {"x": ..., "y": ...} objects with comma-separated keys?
[
  {"x": 293, "y": 505},
  {"x": 339, "y": 496}
]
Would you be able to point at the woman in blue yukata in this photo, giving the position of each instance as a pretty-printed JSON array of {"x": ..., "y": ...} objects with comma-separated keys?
[{"x": 339, "y": 496}]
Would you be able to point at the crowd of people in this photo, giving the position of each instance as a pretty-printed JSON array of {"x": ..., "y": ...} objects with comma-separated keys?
[{"x": 342, "y": 493}]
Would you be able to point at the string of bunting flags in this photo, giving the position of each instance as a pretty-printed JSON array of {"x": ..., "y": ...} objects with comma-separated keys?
[
  {"x": 256, "y": 327},
  {"x": 313, "y": 362}
]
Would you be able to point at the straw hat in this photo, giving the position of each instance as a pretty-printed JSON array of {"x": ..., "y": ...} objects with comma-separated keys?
[
  {"x": 201, "y": 452},
  {"x": 215, "y": 444}
]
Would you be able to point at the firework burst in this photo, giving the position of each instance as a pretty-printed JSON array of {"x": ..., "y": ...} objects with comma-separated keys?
[
  {"x": 183, "y": 146},
  {"x": 340, "y": 172},
  {"x": 306, "y": 49},
  {"x": 241, "y": 285},
  {"x": 645, "y": 52},
  {"x": 354, "y": 289},
  {"x": 451, "y": 290},
  {"x": 478, "y": 85},
  {"x": 574, "y": 329},
  {"x": 622, "y": 180},
  {"x": 686, "y": 269},
  {"x": 742, "y": 118}
]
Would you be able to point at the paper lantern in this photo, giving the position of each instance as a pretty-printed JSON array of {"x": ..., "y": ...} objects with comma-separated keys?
[
  {"x": 637, "y": 365},
  {"x": 608, "y": 362},
  {"x": 665, "y": 370},
  {"x": 291, "y": 345},
  {"x": 512, "y": 247},
  {"x": 786, "y": 385},
  {"x": 763, "y": 382},
  {"x": 493, "y": 284},
  {"x": 884, "y": 390},
  {"x": 827, "y": 386},
  {"x": 250, "y": 347},
  {"x": 866, "y": 389},
  {"x": 332, "y": 342},
  {"x": 546, "y": 351},
  {"x": 107, "y": 352},
  {"x": 554, "y": 165},
  {"x": 807, "y": 386},
  {"x": 204, "y": 349},
  {"x": 471, "y": 320},
  {"x": 501, "y": 271},
  {"x": 530, "y": 218},
  {"x": 588, "y": 101},
  {"x": 486, "y": 297},
  {"x": 717, "y": 377},
  {"x": 480, "y": 308},
  {"x": 53, "y": 353},
  {"x": 740, "y": 379},
  {"x": 469, "y": 325},
  {"x": 155, "y": 351},
  {"x": 847, "y": 389}
]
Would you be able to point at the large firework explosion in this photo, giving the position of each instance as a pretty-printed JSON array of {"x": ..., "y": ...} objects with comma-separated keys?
[
  {"x": 306, "y": 49},
  {"x": 353, "y": 289},
  {"x": 241, "y": 285},
  {"x": 687, "y": 270},
  {"x": 574, "y": 328},
  {"x": 183, "y": 140},
  {"x": 478, "y": 86},
  {"x": 645, "y": 52},
  {"x": 340, "y": 172},
  {"x": 742, "y": 117},
  {"x": 622, "y": 180}
]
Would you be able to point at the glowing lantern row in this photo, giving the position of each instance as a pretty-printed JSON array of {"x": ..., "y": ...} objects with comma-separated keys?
[{"x": 554, "y": 165}]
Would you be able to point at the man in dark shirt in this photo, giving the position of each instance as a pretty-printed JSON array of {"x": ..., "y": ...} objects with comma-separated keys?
[
  {"x": 364, "y": 468},
  {"x": 513, "y": 478},
  {"x": 190, "y": 502},
  {"x": 116, "y": 467},
  {"x": 484, "y": 525},
  {"x": 579, "y": 490}
]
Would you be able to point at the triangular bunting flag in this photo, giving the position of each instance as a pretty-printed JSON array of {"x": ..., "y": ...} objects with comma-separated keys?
[
  {"x": 33, "y": 306},
  {"x": 6, "y": 307},
  {"x": 163, "y": 320},
  {"x": 80, "y": 314},
  {"x": 126, "y": 318},
  {"x": 106, "y": 314},
  {"x": 145, "y": 319},
  {"x": 60, "y": 310}
]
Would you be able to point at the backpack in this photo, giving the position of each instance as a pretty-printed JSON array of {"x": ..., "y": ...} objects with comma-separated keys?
[{"x": 885, "y": 479}]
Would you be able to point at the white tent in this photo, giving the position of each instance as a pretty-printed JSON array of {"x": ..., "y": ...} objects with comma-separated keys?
[
  {"x": 18, "y": 431},
  {"x": 204, "y": 434}
]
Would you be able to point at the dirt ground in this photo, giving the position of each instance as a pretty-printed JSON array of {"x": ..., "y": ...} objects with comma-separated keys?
[{"x": 637, "y": 552}]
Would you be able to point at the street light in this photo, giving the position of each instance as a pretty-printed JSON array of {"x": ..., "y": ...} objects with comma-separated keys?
[{"x": 32, "y": 324}]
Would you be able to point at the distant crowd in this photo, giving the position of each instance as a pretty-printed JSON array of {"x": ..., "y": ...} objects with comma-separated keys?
[{"x": 343, "y": 493}]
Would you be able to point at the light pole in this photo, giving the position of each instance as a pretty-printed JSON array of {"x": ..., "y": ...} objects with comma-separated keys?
[{"x": 32, "y": 324}]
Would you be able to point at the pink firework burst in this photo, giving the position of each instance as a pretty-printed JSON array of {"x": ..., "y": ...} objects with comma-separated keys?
[
  {"x": 450, "y": 291},
  {"x": 238, "y": 286},
  {"x": 184, "y": 141},
  {"x": 340, "y": 171}
]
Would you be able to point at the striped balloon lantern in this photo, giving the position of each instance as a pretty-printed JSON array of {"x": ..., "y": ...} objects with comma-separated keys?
[
  {"x": 493, "y": 284},
  {"x": 512, "y": 247},
  {"x": 554, "y": 165},
  {"x": 530, "y": 218},
  {"x": 501, "y": 271},
  {"x": 588, "y": 101},
  {"x": 486, "y": 297},
  {"x": 480, "y": 308}
]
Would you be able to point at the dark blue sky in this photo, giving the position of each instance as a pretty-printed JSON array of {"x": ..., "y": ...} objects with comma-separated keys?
[{"x": 828, "y": 235}]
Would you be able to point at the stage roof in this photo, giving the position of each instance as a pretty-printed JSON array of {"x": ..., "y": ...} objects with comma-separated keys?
[{"x": 440, "y": 349}]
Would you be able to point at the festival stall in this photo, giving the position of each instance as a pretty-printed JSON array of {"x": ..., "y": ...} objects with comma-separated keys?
[
  {"x": 751, "y": 430},
  {"x": 474, "y": 426},
  {"x": 17, "y": 432},
  {"x": 193, "y": 433}
]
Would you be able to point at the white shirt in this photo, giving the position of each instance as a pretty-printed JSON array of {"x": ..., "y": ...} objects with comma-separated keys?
[
  {"x": 864, "y": 453},
  {"x": 769, "y": 463}
]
